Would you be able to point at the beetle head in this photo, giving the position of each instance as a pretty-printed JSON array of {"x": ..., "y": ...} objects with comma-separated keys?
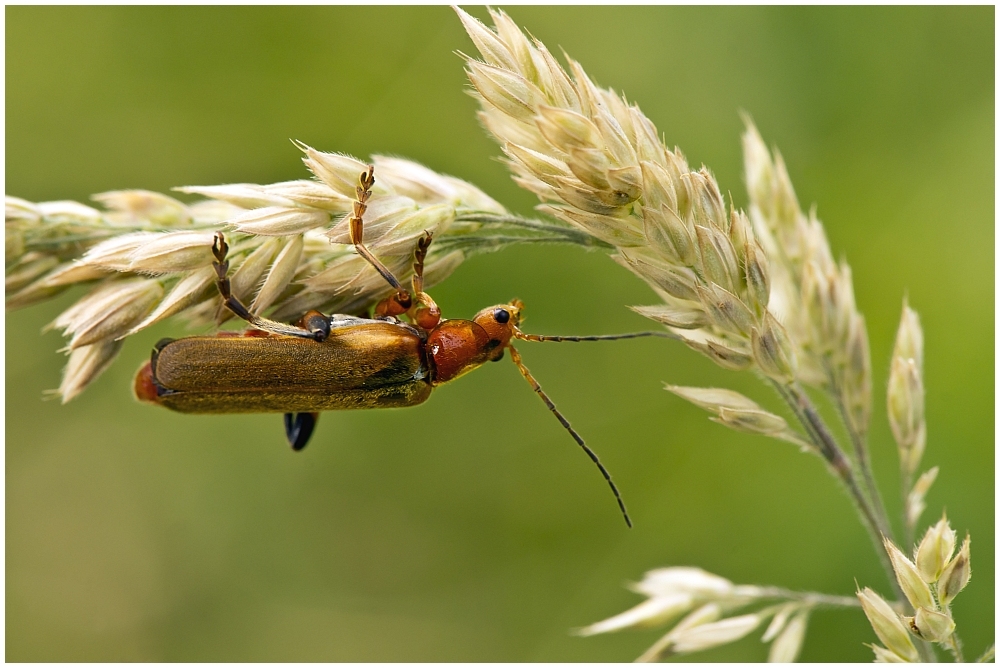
[{"x": 500, "y": 321}]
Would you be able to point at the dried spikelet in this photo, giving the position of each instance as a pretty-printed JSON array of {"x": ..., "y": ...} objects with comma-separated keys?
[
  {"x": 786, "y": 647},
  {"x": 930, "y": 581},
  {"x": 110, "y": 311},
  {"x": 916, "y": 590},
  {"x": 137, "y": 206},
  {"x": 279, "y": 275},
  {"x": 290, "y": 249},
  {"x": 700, "y": 637},
  {"x": 174, "y": 252},
  {"x": 915, "y": 499},
  {"x": 186, "y": 292},
  {"x": 906, "y": 392},
  {"x": 955, "y": 575}
]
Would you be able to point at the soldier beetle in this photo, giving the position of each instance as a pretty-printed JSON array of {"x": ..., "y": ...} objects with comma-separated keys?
[{"x": 339, "y": 362}]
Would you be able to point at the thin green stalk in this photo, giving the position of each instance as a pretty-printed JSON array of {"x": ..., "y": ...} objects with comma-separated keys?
[
  {"x": 905, "y": 486},
  {"x": 841, "y": 467},
  {"x": 570, "y": 234},
  {"x": 861, "y": 451},
  {"x": 812, "y": 598},
  {"x": 954, "y": 645},
  {"x": 988, "y": 655},
  {"x": 494, "y": 242}
]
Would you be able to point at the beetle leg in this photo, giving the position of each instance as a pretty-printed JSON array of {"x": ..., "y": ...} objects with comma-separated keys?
[
  {"x": 424, "y": 312},
  {"x": 419, "y": 255},
  {"x": 299, "y": 427},
  {"x": 317, "y": 323},
  {"x": 220, "y": 249},
  {"x": 357, "y": 227}
]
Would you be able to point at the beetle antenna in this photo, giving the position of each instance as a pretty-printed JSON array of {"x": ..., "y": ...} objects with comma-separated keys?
[
  {"x": 518, "y": 334},
  {"x": 514, "y": 355}
]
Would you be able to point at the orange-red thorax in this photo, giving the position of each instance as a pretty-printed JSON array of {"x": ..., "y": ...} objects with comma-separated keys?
[{"x": 456, "y": 347}]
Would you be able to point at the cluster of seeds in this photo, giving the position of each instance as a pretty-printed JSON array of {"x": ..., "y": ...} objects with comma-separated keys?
[{"x": 931, "y": 581}]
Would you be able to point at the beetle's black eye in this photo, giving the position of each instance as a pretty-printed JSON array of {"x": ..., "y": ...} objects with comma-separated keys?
[{"x": 501, "y": 315}]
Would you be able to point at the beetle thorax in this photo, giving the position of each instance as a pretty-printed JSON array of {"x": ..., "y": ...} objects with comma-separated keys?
[{"x": 456, "y": 347}]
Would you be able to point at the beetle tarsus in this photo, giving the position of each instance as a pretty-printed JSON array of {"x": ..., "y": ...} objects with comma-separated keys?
[
  {"x": 299, "y": 428},
  {"x": 419, "y": 255},
  {"x": 220, "y": 248}
]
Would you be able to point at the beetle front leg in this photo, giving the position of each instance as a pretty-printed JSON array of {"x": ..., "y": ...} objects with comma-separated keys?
[{"x": 221, "y": 249}]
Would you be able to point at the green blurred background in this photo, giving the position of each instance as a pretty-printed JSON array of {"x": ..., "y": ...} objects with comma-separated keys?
[{"x": 472, "y": 528}]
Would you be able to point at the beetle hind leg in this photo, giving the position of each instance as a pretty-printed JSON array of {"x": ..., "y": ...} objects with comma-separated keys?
[{"x": 299, "y": 428}]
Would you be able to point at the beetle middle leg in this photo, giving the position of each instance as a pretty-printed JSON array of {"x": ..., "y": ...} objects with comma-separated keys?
[
  {"x": 317, "y": 328},
  {"x": 426, "y": 312},
  {"x": 419, "y": 255}
]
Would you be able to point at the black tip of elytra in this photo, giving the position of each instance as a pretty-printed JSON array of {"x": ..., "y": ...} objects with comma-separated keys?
[{"x": 299, "y": 427}]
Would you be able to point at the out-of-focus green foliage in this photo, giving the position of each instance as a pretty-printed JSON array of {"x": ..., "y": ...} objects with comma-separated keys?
[{"x": 472, "y": 528}]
